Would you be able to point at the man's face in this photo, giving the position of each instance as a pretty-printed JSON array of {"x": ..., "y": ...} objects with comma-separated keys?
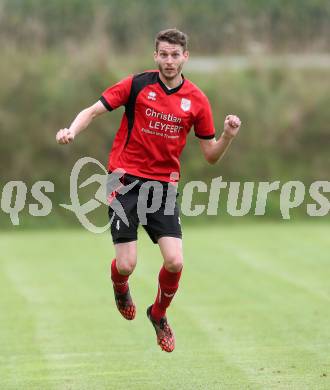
[{"x": 170, "y": 59}]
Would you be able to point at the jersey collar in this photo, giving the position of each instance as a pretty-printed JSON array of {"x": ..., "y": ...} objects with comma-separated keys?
[{"x": 172, "y": 90}]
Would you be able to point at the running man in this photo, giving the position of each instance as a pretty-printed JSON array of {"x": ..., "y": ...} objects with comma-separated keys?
[{"x": 161, "y": 106}]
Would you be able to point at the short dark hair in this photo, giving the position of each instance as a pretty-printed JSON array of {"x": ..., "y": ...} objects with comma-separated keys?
[{"x": 174, "y": 36}]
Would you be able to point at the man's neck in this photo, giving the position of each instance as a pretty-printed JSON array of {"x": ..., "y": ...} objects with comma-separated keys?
[{"x": 173, "y": 83}]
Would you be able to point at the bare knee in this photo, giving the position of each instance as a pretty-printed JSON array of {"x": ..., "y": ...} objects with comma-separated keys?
[
  {"x": 173, "y": 262},
  {"x": 126, "y": 257},
  {"x": 125, "y": 265}
]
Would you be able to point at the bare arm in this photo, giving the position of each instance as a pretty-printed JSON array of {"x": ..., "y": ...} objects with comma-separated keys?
[
  {"x": 214, "y": 149},
  {"x": 81, "y": 122}
]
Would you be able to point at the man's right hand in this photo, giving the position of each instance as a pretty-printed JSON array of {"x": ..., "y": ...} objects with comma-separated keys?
[{"x": 64, "y": 136}]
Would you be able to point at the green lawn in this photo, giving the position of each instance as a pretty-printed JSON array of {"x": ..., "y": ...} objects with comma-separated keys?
[{"x": 252, "y": 312}]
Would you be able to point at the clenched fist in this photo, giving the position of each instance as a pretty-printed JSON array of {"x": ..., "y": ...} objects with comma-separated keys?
[
  {"x": 64, "y": 136},
  {"x": 231, "y": 126}
]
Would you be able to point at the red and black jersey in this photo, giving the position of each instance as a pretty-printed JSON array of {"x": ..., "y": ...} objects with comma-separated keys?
[{"x": 155, "y": 124}]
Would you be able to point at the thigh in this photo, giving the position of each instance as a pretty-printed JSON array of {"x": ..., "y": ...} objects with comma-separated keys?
[
  {"x": 161, "y": 225},
  {"x": 126, "y": 251},
  {"x": 124, "y": 225}
]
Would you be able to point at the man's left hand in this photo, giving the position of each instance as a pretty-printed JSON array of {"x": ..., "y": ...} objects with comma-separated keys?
[{"x": 231, "y": 126}]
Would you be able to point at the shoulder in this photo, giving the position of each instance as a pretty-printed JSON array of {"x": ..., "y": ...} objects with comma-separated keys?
[
  {"x": 147, "y": 75},
  {"x": 195, "y": 91},
  {"x": 142, "y": 80}
]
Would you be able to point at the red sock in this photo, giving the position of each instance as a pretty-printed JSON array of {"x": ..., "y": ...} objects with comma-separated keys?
[
  {"x": 119, "y": 281},
  {"x": 168, "y": 285}
]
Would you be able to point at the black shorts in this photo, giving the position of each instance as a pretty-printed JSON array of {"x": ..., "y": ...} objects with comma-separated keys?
[{"x": 164, "y": 221}]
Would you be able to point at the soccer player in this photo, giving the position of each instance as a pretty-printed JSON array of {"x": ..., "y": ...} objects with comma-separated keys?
[{"x": 161, "y": 106}]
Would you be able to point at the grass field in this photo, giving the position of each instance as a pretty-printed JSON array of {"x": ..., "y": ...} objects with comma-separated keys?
[{"x": 252, "y": 312}]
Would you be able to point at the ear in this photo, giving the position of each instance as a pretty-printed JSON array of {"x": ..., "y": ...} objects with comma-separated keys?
[
  {"x": 155, "y": 56},
  {"x": 186, "y": 55}
]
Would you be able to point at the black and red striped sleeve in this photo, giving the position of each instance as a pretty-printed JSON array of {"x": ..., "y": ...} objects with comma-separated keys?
[{"x": 117, "y": 95}]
